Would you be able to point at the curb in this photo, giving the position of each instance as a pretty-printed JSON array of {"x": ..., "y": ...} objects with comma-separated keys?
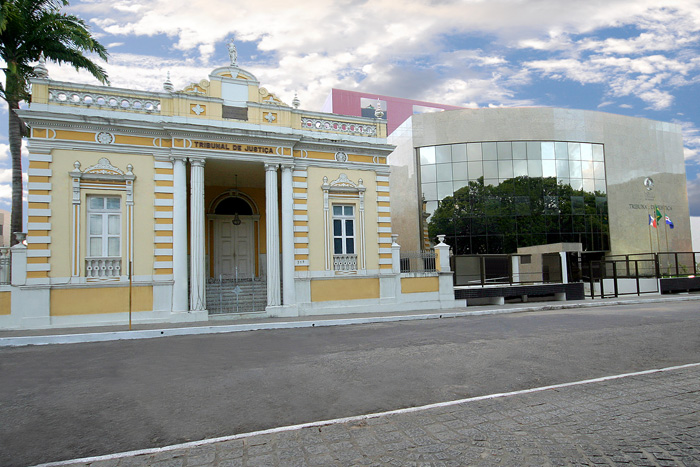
[{"x": 189, "y": 331}]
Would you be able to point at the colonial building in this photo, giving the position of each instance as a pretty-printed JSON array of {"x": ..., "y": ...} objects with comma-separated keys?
[{"x": 215, "y": 199}]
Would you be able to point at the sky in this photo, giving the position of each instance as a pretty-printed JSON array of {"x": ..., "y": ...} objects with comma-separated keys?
[{"x": 632, "y": 57}]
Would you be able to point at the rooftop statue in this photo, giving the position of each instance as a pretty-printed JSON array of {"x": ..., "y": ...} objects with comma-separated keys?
[{"x": 232, "y": 52}]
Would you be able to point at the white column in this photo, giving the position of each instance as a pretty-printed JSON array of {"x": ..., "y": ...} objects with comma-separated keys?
[
  {"x": 273, "y": 232},
  {"x": 288, "y": 288},
  {"x": 197, "y": 277},
  {"x": 179, "y": 235}
]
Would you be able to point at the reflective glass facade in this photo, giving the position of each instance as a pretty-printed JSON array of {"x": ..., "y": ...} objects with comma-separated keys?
[{"x": 493, "y": 197}]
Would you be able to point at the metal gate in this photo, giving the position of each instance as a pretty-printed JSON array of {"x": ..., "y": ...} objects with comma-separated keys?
[{"x": 236, "y": 294}]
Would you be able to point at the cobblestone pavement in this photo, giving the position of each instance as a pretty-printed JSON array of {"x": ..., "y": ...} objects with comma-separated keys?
[{"x": 650, "y": 419}]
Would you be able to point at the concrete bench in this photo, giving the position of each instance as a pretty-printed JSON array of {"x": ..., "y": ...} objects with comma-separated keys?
[{"x": 496, "y": 294}]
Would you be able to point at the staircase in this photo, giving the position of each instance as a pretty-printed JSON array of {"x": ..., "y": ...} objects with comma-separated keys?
[{"x": 227, "y": 295}]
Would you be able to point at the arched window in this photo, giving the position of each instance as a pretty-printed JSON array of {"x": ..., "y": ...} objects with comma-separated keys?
[{"x": 234, "y": 205}]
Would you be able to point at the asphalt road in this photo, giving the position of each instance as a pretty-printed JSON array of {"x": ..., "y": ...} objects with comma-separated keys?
[{"x": 68, "y": 401}]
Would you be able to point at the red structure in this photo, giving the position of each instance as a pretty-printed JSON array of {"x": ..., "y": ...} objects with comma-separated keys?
[{"x": 396, "y": 109}]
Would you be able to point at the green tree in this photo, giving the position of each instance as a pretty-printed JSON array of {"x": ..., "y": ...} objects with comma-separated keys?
[
  {"x": 28, "y": 29},
  {"x": 518, "y": 212}
]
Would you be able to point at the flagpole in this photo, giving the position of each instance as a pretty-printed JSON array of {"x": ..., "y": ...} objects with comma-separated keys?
[
  {"x": 651, "y": 246},
  {"x": 666, "y": 230},
  {"x": 658, "y": 241}
]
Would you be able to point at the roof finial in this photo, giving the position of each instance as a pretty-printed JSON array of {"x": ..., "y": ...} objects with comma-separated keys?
[
  {"x": 168, "y": 85},
  {"x": 295, "y": 101},
  {"x": 378, "y": 111},
  {"x": 232, "y": 52},
  {"x": 40, "y": 71}
]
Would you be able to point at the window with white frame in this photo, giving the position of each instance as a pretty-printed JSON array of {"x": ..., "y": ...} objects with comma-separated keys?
[
  {"x": 343, "y": 229},
  {"x": 104, "y": 226}
]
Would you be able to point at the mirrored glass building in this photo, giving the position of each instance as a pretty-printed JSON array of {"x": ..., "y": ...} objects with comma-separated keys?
[{"x": 493, "y": 180}]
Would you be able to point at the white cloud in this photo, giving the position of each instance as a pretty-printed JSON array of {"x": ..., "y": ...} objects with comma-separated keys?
[
  {"x": 691, "y": 141},
  {"x": 5, "y": 192},
  {"x": 348, "y": 44},
  {"x": 5, "y": 175}
]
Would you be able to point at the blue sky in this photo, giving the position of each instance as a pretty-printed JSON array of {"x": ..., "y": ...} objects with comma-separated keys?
[{"x": 632, "y": 57}]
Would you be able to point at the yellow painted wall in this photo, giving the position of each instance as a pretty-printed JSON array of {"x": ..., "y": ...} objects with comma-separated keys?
[
  {"x": 61, "y": 207},
  {"x": 96, "y": 300},
  {"x": 344, "y": 289},
  {"x": 419, "y": 284},
  {"x": 5, "y": 303},
  {"x": 315, "y": 206}
]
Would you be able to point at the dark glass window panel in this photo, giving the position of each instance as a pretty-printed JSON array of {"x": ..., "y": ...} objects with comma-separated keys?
[
  {"x": 349, "y": 230},
  {"x": 350, "y": 246},
  {"x": 337, "y": 228},
  {"x": 338, "y": 246}
]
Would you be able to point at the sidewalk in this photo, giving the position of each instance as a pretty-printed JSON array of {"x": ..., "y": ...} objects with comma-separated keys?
[
  {"x": 14, "y": 338},
  {"x": 644, "y": 418}
]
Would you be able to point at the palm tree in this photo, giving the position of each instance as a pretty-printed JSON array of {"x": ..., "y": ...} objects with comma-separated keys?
[{"x": 28, "y": 29}]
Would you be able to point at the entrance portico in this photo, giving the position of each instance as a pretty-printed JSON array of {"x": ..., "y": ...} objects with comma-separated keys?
[{"x": 230, "y": 235}]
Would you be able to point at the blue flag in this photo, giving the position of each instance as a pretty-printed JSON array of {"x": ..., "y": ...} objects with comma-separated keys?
[{"x": 668, "y": 221}]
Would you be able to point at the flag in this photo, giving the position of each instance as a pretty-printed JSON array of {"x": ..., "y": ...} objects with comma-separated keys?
[
  {"x": 658, "y": 214},
  {"x": 668, "y": 221},
  {"x": 652, "y": 221}
]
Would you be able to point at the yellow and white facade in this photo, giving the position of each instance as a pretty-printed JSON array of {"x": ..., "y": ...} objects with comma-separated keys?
[{"x": 141, "y": 200}]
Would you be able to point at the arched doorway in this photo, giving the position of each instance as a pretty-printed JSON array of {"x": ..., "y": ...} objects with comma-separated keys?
[{"x": 233, "y": 218}]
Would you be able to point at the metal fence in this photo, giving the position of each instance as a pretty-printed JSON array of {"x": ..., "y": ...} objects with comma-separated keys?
[
  {"x": 612, "y": 278},
  {"x": 236, "y": 294},
  {"x": 662, "y": 264},
  {"x": 417, "y": 262},
  {"x": 488, "y": 269},
  {"x": 5, "y": 266}
]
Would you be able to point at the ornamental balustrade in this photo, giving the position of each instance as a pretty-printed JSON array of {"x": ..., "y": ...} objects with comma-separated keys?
[
  {"x": 5, "y": 265},
  {"x": 90, "y": 99},
  {"x": 337, "y": 126},
  {"x": 103, "y": 267},
  {"x": 344, "y": 263}
]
